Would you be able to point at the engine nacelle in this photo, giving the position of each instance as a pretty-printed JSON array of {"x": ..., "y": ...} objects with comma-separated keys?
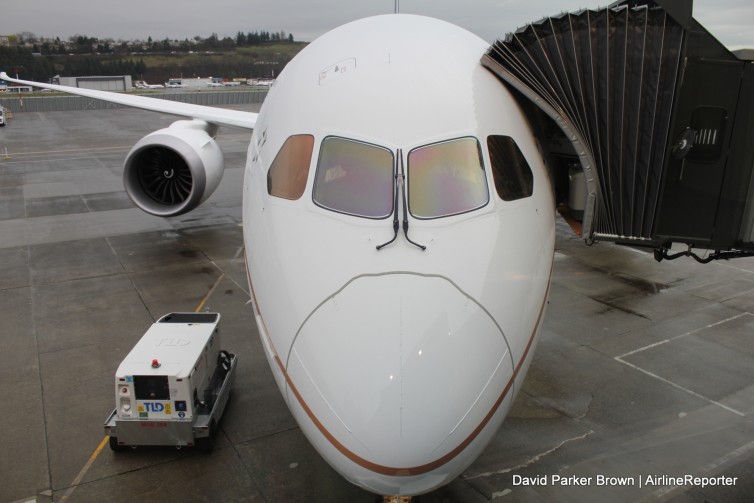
[{"x": 173, "y": 170}]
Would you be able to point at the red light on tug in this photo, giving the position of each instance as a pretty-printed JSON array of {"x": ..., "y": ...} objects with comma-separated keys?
[{"x": 155, "y": 364}]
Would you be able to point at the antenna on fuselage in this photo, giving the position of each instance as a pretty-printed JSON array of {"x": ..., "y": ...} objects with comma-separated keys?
[{"x": 397, "y": 6}]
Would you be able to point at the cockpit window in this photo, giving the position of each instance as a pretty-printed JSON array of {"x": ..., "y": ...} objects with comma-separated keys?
[
  {"x": 512, "y": 174},
  {"x": 354, "y": 178},
  {"x": 446, "y": 179},
  {"x": 289, "y": 171}
]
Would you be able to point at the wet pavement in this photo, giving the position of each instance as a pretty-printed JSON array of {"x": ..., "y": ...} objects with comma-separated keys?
[{"x": 644, "y": 373}]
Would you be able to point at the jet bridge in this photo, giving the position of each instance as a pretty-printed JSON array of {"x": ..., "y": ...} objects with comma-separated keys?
[{"x": 655, "y": 111}]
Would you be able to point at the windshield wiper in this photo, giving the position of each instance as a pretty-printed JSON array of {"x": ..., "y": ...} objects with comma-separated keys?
[
  {"x": 395, "y": 206},
  {"x": 399, "y": 185},
  {"x": 402, "y": 183}
]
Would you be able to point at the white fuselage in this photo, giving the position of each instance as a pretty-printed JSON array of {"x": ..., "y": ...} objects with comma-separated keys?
[{"x": 398, "y": 364}]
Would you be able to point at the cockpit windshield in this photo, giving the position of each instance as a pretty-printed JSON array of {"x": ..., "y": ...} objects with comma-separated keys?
[
  {"x": 446, "y": 179},
  {"x": 443, "y": 179},
  {"x": 354, "y": 178}
]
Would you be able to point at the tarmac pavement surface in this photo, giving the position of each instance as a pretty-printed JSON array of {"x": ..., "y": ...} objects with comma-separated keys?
[{"x": 641, "y": 389}]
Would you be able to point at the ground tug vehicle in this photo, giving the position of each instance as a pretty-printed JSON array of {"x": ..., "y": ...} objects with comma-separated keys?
[{"x": 173, "y": 386}]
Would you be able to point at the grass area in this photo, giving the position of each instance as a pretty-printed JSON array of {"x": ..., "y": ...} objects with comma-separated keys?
[
  {"x": 264, "y": 60},
  {"x": 278, "y": 53},
  {"x": 287, "y": 50}
]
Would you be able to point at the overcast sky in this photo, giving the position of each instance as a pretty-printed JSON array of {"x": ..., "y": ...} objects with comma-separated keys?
[{"x": 731, "y": 21}]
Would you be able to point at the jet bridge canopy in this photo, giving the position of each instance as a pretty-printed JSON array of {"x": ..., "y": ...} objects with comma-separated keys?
[{"x": 655, "y": 110}]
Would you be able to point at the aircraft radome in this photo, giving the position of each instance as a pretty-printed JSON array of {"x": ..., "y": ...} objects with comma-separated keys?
[{"x": 399, "y": 231}]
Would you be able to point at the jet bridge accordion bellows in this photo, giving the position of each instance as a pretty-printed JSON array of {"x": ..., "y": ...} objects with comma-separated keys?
[{"x": 657, "y": 113}]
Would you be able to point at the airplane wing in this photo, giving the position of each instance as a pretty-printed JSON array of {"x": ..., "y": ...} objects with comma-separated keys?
[{"x": 212, "y": 115}]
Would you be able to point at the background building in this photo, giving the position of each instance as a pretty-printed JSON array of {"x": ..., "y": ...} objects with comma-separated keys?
[{"x": 111, "y": 83}]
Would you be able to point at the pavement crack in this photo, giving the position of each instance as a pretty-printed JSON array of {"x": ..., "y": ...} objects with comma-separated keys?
[{"x": 529, "y": 461}]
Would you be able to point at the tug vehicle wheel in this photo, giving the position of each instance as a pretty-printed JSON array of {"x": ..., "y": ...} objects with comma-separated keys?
[
  {"x": 206, "y": 444},
  {"x": 114, "y": 445}
]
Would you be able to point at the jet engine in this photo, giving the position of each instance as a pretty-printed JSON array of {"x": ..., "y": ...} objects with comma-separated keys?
[{"x": 173, "y": 170}]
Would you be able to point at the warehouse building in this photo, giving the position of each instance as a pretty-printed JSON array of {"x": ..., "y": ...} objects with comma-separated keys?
[{"x": 110, "y": 83}]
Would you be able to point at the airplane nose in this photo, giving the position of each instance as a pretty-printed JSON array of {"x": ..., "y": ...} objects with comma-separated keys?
[{"x": 399, "y": 370}]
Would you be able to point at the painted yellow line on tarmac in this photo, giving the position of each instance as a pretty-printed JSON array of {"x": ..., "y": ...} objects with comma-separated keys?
[
  {"x": 85, "y": 469},
  {"x": 206, "y": 297},
  {"x": 71, "y": 150}
]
